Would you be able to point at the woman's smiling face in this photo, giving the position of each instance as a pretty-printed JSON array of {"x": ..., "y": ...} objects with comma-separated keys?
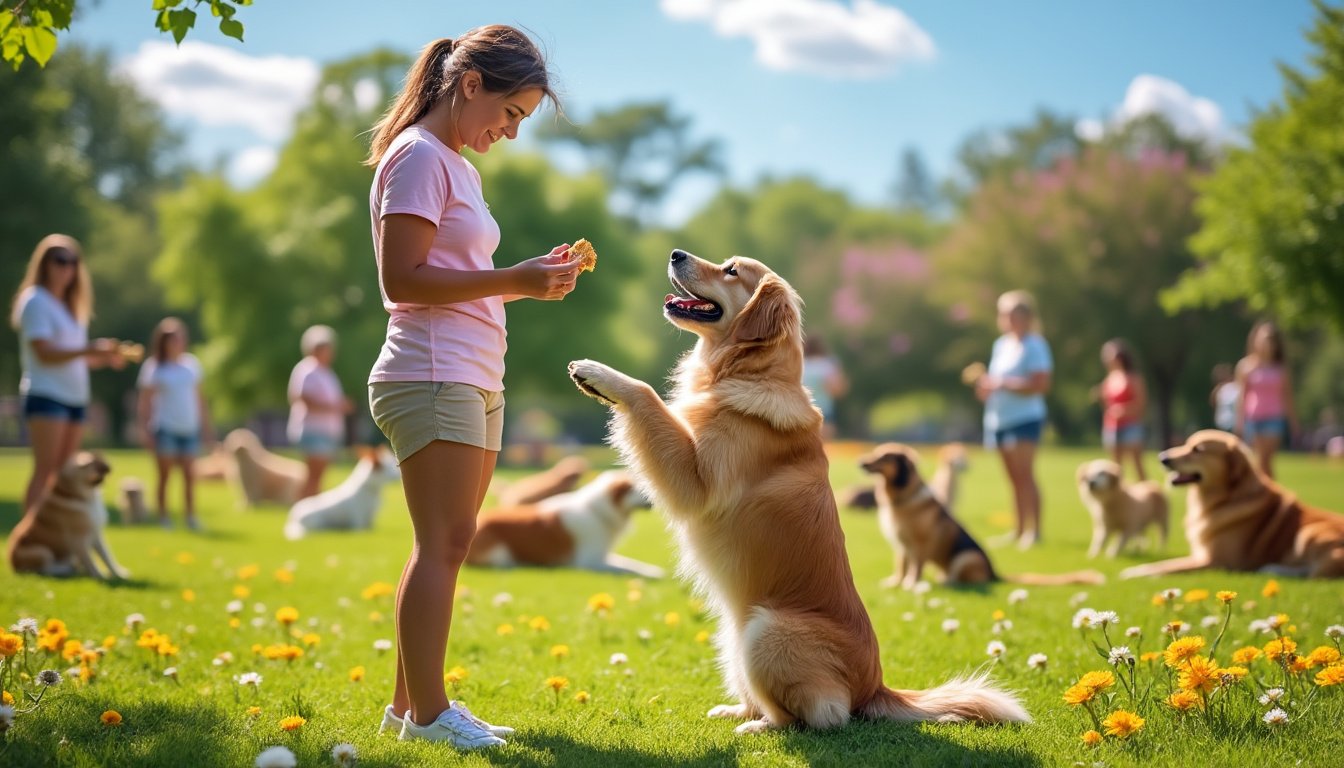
[{"x": 487, "y": 116}]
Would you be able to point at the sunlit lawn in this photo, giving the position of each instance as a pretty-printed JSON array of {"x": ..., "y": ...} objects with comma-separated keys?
[{"x": 647, "y": 712}]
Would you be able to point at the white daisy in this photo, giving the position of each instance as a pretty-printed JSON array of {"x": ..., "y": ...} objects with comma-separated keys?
[
  {"x": 1133, "y": 632},
  {"x": 1120, "y": 654},
  {"x": 618, "y": 659},
  {"x": 501, "y": 599},
  {"x": 29, "y": 627},
  {"x": 258, "y": 622},
  {"x": 223, "y": 659},
  {"x": 1260, "y": 626},
  {"x": 1276, "y": 716},
  {"x": 258, "y": 607},
  {"x": 908, "y": 616},
  {"x": 1271, "y": 696},
  {"x": 1037, "y": 660},
  {"x": 248, "y": 679},
  {"x": 1274, "y": 621},
  {"x": 922, "y": 587},
  {"x": 382, "y": 645},
  {"x": 135, "y": 620},
  {"x": 6, "y": 717},
  {"x": 1334, "y": 631},
  {"x": 935, "y": 602},
  {"x": 1171, "y": 593},
  {"x": 276, "y": 757},
  {"x": 951, "y": 625},
  {"x": 995, "y": 649},
  {"x": 644, "y": 635},
  {"x": 170, "y": 672},
  {"x": 1001, "y": 626},
  {"x": 1017, "y": 596},
  {"x": 1105, "y": 618},
  {"x": 1210, "y": 621},
  {"x": 1085, "y": 618},
  {"x": 1078, "y": 599}
]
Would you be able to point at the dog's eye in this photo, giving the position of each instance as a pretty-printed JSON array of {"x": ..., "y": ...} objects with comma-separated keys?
[
  {"x": 730, "y": 270},
  {"x": 1197, "y": 449}
]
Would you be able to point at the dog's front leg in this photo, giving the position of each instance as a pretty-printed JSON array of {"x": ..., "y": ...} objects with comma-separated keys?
[
  {"x": 1098, "y": 540},
  {"x": 658, "y": 445},
  {"x": 83, "y": 556},
  {"x": 100, "y": 546},
  {"x": 615, "y": 563}
]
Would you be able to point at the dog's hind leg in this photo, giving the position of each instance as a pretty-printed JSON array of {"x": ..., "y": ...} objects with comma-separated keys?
[
  {"x": 794, "y": 673},
  {"x": 734, "y": 677}
]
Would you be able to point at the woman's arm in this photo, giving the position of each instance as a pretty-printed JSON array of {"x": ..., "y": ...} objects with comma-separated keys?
[
  {"x": 1288, "y": 410},
  {"x": 143, "y": 404},
  {"x": 405, "y": 240},
  {"x": 50, "y": 354},
  {"x": 207, "y": 429},
  {"x": 1241, "y": 396},
  {"x": 1135, "y": 408},
  {"x": 1037, "y": 383}
]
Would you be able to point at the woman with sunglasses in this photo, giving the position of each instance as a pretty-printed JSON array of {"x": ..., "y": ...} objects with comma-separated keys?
[{"x": 51, "y": 314}]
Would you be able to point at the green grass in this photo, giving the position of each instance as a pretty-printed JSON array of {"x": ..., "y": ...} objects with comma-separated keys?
[{"x": 647, "y": 713}]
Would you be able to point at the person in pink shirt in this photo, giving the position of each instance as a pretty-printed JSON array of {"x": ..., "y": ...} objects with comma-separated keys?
[
  {"x": 1265, "y": 417},
  {"x": 1124, "y": 398},
  {"x": 436, "y": 390},
  {"x": 317, "y": 406}
]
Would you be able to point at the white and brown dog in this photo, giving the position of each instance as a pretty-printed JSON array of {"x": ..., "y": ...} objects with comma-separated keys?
[
  {"x": 351, "y": 505},
  {"x": 1119, "y": 512},
  {"x": 67, "y": 530},
  {"x": 572, "y": 530}
]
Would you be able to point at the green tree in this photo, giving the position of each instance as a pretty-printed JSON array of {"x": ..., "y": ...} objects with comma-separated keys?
[
  {"x": 915, "y": 188},
  {"x": 1272, "y": 216},
  {"x": 28, "y": 27}
]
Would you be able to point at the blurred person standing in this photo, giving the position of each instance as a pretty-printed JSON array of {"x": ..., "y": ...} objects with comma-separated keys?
[
  {"x": 1265, "y": 418},
  {"x": 172, "y": 414},
  {"x": 825, "y": 379},
  {"x": 1124, "y": 399},
  {"x": 317, "y": 406}
]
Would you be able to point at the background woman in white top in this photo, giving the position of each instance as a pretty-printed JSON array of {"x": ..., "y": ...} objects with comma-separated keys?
[
  {"x": 51, "y": 313},
  {"x": 172, "y": 413},
  {"x": 317, "y": 405}
]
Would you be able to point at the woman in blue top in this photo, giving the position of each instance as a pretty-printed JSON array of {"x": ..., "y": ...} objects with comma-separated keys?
[{"x": 1013, "y": 390}]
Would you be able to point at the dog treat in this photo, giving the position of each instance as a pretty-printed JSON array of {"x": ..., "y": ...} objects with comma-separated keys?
[
  {"x": 972, "y": 373},
  {"x": 131, "y": 352},
  {"x": 587, "y": 257}
]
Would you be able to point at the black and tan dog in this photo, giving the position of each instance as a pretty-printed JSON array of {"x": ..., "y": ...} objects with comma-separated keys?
[
  {"x": 922, "y": 532},
  {"x": 1239, "y": 519}
]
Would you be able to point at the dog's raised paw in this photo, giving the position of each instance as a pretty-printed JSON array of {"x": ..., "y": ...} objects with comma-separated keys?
[{"x": 590, "y": 376}]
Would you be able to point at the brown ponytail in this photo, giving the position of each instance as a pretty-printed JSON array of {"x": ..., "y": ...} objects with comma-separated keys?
[{"x": 506, "y": 59}]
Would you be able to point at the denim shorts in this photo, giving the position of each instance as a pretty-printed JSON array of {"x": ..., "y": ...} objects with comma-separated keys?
[
  {"x": 1272, "y": 427},
  {"x": 176, "y": 445},
  {"x": 414, "y": 414},
  {"x": 1027, "y": 432},
  {"x": 37, "y": 406},
  {"x": 1128, "y": 435},
  {"x": 319, "y": 444}
]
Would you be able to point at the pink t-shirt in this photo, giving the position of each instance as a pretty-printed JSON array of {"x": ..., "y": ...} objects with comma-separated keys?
[
  {"x": 313, "y": 380},
  {"x": 1264, "y": 392},
  {"x": 461, "y": 342}
]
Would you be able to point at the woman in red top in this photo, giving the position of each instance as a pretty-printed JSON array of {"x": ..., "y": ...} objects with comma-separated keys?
[{"x": 1124, "y": 399}]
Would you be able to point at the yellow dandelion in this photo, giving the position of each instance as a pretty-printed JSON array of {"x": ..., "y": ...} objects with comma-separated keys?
[
  {"x": 1323, "y": 656},
  {"x": 539, "y": 624},
  {"x": 357, "y": 674},
  {"x": 86, "y": 674},
  {"x": 1270, "y": 589},
  {"x": 257, "y": 649},
  {"x": 249, "y": 571},
  {"x": 1277, "y": 647},
  {"x": 1097, "y": 681},
  {"x": 1184, "y": 700},
  {"x": 1122, "y": 724},
  {"x": 559, "y": 651},
  {"x": 702, "y": 636},
  {"x": 253, "y": 711},
  {"x": 672, "y": 618},
  {"x": 235, "y": 623},
  {"x": 1150, "y": 656},
  {"x": 88, "y": 658},
  {"x": 1246, "y": 655},
  {"x": 185, "y": 558},
  {"x": 6, "y": 698},
  {"x": 376, "y": 590},
  {"x": 601, "y": 603},
  {"x": 1076, "y": 695},
  {"x": 71, "y": 649},
  {"x": 997, "y": 615},
  {"x": 110, "y": 717},
  {"x": 1196, "y": 595},
  {"x": 504, "y": 630},
  {"x": 292, "y": 723},
  {"x": 284, "y": 575},
  {"x": 188, "y": 595},
  {"x": 1159, "y": 599},
  {"x": 376, "y": 617},
  {"x": 1091, "y": 738},
  {"x": 1198, "y": 674},
  {"x": 311, "y": 639},
  {"x": 166, "y": 647},
  {"x": 50, "y": 642},
  {"x": 1232, "y": 675},
  {"x": 634, "y": 596},
  {"x": 1331, "y": 675},
  {"x": 455, "y": 676},
  {"x": 110, "y": 642},
  {"x": 241, "y": 591},
  {"x": 10, "y": 644},
  {"x": 287, "y": 615},
  {"x": 582, "y": 697},
  {"x": 1182, "y": 650},
  {"x": 1226, "y": 596},
  {"x": 557, "y": 683}
]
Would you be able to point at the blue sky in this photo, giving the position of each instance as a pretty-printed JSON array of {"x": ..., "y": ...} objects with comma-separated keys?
[{"x": 830, "y": 88}]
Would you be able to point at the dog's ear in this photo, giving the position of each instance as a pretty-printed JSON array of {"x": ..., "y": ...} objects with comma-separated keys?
[
  {"x": 1239, "y": 463},
  {"x": 902, "y": 478},
  {"x": 618, "y": 490},
  {"x": 772, "y": 312}
]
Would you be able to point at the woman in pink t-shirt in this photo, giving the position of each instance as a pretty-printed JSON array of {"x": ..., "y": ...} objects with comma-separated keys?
[
  {"x": 436, "y": 390},
  {"x": 1265, "y": 417}
]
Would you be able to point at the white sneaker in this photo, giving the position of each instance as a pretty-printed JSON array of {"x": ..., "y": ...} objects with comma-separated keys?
[
  {"x": 390, "y": 720},
  {"x": 450, "y": 726},
  {"x": 495, "y": 730}
]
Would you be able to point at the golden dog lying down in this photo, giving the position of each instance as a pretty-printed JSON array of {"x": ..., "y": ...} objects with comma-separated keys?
[
  {"x": 1238, "y": 519},
  {"x": 736, "y": 462}
]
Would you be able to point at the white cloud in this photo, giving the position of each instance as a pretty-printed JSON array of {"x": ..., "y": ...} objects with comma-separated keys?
[
  {"x": 249, "y": 166},
  {"x": 862, "y": 39},
  {"x": 219, "y": 86},
  {"x": 1193, "y": 117}
]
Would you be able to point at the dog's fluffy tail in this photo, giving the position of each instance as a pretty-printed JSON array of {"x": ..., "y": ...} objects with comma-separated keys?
[
  {"x": 1054, "y": 579},
  {"x": 294, "y": 530},
  {"x": 972, "y": 698}
]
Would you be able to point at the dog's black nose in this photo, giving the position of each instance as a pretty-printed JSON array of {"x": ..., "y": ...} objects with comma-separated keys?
[
  {"x": 679, "y": 255},
  {"x": 1165, "y": 459}
]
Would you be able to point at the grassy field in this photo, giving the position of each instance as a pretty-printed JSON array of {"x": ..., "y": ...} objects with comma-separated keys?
[{"x": 650, "y": 710}]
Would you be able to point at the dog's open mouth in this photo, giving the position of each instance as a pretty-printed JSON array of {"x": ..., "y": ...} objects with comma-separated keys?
[
  {"x": 688, "y": 305},
  {"x": 1183, "y": 478}
]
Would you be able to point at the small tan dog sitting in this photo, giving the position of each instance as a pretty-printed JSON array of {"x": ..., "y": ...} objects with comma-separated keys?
[
  {"x": 572, "y": 530},
  {"x": 259, "y": 475},
  {"x": 60, "y": 539},
  {"x": 1119, "y": 512}
]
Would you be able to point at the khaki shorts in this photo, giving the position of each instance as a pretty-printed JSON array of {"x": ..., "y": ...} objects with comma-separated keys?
[{"x": 414, "y": 414}]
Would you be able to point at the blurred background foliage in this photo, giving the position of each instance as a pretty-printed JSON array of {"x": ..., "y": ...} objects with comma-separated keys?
[{"x": 1142, "y": 234}]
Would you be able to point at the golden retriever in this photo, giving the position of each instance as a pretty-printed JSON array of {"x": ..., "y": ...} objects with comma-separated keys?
[
  {"x": 736, "y": 462},
  {"x": 1119, "y": 512},
  {"x": 62, "y": 537},
  {"x": 259, "y": 475},
  {"x": 922, "y": 532},
  {"x": 1238, "y": 519},
  {"x": 570, "y": 530}
]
